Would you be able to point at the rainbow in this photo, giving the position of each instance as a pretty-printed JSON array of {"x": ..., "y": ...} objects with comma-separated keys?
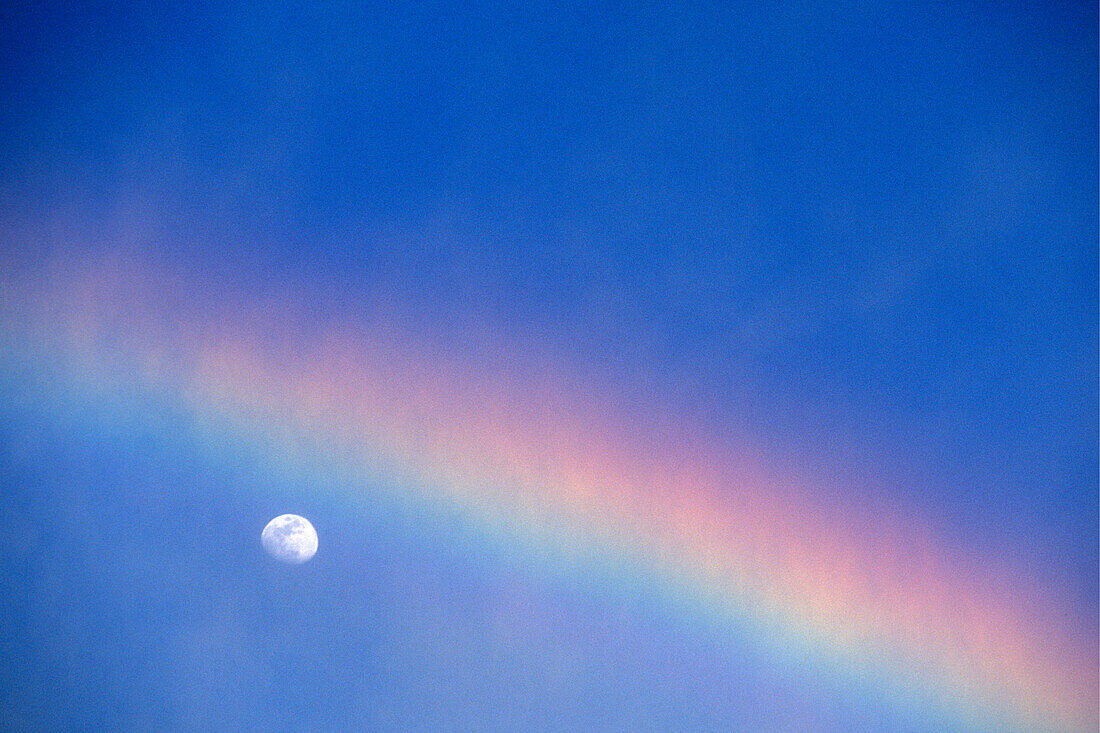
[{"x": 555, "y": 474}]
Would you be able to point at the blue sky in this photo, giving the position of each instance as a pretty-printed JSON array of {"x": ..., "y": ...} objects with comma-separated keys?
[{"x": 864, "y": 234}]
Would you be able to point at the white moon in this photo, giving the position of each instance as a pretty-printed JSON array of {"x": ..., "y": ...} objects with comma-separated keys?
[{"x": 290, "y": 538}]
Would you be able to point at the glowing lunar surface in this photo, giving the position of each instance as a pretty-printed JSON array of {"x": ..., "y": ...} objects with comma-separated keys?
[{"x": 290, "y": 538}]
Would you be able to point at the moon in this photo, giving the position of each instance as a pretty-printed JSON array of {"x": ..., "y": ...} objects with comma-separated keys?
[{"x": 290, "y": 539}]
